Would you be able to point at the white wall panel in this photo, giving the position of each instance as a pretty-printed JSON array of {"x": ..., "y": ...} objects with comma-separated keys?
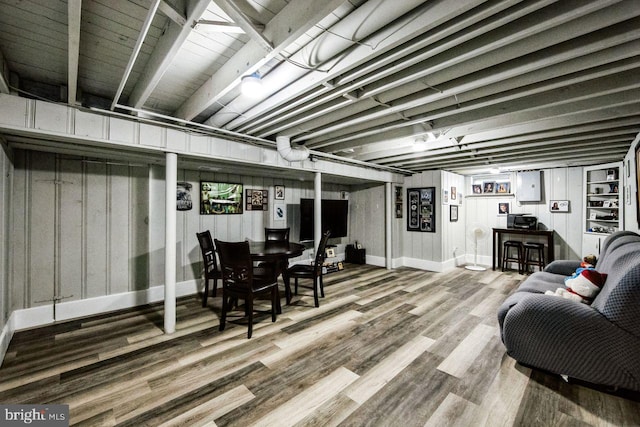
[
  {"x": 118, "y": 228},
  {"x": 40, "y": 215},
  {"x": 6, "y": 248},
  {"x": 69, "y": 244}
]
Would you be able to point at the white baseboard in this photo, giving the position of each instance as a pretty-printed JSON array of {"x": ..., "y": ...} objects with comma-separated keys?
[
  {"x": 5, "y": 338},
  {"x": 43, "y": 315},
  {"x": 423, "y": 264},
  {"x": 483, "y": 260}
]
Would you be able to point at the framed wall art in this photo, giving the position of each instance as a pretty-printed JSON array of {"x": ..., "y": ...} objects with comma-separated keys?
[
  {"x": 453, "y": 213},
  {"x": 218, "y": 198},
  {"x": 279, "y": 189},
  {"x": 559, "y": 206},
  {"x": 421, "y": 213},
  {"x": 257, "y": 200},
  {"x": 183, "y": 201}
]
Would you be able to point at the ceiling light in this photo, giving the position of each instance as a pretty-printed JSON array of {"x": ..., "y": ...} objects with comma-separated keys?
[
  {"x": 419, "y": 144},
  {"x": 494, "y": 171},
  {"x": 252, "y": 86}
]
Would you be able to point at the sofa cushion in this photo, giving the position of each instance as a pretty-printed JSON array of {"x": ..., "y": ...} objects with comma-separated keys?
[{"x": 542, "y": 281}]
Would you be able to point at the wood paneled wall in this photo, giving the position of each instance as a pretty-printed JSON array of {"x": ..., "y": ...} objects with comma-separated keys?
[
  {"x": 6, "y": 177},
  {"x": 93, "y": 228},
  {"x": 79, "y": 229}
]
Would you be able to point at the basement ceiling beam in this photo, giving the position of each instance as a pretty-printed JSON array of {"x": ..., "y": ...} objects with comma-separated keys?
[
  {"x": 381, "y": 67},
  {"x": 479, "y": 72},
  {"x": 165, "y": 52},
  {"x": 240, "y": 19},
  {"x": 418, "y": 18},
  {"x": 172, "y": 14},
  {"x": 4, "y": 75},
  {"x": 74, "y": 11},
  {"x": 293, "y": 21}
]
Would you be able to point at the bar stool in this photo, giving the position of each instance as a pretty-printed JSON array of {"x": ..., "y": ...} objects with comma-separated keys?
[
  {"x": 507, "y": 256},
  {"x": 537, "y": 249}
]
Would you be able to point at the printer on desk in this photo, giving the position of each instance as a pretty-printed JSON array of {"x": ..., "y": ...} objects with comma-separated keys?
[{"x": 522, "y": 221}]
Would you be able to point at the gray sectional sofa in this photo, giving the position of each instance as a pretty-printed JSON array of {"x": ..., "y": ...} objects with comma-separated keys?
[{"x": 597, "y": 343}]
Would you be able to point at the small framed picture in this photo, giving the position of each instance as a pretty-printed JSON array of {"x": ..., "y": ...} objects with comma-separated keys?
[
  {"x": 453, "y": 213},
  {"x": 279, "y": 192},
  {"x": 331, "y": 252},
  {"x": 488, "y": 187},
  {"x": 477, "y": 189},
  {"x": 503, "y": 187},
  {"x": 503, "y": 208},
  {"x": 606, "y": 204},
  {"x": 559, "y": 206},
  {"x": 340, "y": 266},
  {"x": 612, "y": 174},
  {"x": 279, "y": 212},
  {"x": 453, "y": 193},
  {"x": 445, "y": 197}
]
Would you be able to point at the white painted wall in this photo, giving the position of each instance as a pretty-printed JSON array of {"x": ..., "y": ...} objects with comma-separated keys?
[
  {"x": 366, "y": 223},
  {"x": 6, "y": 178},
  {"x": 557, "y": 184},
  {"x": 631, "y": 220}
]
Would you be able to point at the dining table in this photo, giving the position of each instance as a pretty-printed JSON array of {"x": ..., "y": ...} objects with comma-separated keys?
[{"x": 276, "y": 254}]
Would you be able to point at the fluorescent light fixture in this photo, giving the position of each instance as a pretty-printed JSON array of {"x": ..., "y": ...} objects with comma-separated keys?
[{"x": 252, "y": 86}]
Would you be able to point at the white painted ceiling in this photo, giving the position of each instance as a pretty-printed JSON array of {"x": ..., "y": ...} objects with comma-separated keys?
[{"x": 503, "y": 84}]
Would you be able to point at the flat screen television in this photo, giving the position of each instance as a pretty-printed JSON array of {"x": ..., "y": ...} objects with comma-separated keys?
[{"x": 334, "y": 217}]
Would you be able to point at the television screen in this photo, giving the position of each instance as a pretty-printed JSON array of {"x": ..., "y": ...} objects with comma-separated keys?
[{"x": 334, "y": 217}]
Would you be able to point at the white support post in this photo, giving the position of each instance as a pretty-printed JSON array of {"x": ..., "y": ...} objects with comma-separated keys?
[
  {"x": 388, "y": 224},
  {"x": 317, "y": 210},
  {"x": 171, "y": 181}
]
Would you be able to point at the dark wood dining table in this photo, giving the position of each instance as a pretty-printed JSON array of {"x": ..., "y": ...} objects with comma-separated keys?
[{"x": 276, "y": 254}]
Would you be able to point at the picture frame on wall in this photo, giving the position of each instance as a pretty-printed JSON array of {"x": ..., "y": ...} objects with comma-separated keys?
[
  {"x": 220, "y": 198},
  {"x": 488, "y": 187},
  {"x": 559, "y": 206},
  {"x": 257, "y": 200},
  {"x": 279, "y": 212},
  {"x": 453, "y": 213},
  {"x": 421, "y": 212},
  {"x": 504, "y": 208},
  {"x": 183, "y": 201},
  {"x": 279, "y": 192},
  {"x": 503, "y": 187}
]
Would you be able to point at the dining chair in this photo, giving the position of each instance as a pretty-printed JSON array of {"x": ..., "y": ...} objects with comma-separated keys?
[
  {"x": 277, "y": 234},
  {"x": 240, "y": 282},
  {"x": 313, "y": 271},
  {"x": 211, "y": 271}
]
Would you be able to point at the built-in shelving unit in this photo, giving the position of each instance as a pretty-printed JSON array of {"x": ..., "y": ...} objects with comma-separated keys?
[{"x": 603, "y": 207}]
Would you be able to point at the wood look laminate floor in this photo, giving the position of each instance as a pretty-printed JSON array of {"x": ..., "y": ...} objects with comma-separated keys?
[{"x": 385, "y": 348}]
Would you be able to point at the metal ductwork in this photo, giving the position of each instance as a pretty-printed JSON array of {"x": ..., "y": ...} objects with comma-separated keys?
[{"x": 289, "y": 153}]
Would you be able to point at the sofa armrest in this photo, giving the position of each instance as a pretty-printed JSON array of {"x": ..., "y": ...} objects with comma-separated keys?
[
  {"x": 566, "y": 337},
  {"x": 563, "y": 267}
]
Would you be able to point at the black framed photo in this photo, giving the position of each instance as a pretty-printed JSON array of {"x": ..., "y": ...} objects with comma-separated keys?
[
  {"x": 453, "y": 213},
  {"x": 421, "y": 212},
  {"x": 503, "y": 208},
  {"x": 279, "y": 189},
  {"x": 257, "y": 200},
  {"x": 488, "y": 187},
  {"x": 219, "y": 198}
]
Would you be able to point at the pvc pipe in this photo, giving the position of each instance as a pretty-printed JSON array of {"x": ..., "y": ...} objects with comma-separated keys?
[
  {"x": 388, "y": 224},
  {"x": 171, "y": 181}
]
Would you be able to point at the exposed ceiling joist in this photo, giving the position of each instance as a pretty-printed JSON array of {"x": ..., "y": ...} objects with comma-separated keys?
[
  {"x": 172, "y": 14},
  {"x": 74, "y": 8},
  {"x": 254, "y": 31},
  {"x": 292, "y": 22},
  {"x": 4, "y": 73}
]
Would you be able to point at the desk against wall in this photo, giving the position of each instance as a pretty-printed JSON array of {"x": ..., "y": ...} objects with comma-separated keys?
[{"x": 497, "y": 241}]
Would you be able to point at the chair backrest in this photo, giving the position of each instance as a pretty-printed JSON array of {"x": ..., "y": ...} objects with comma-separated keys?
[
  {"x": 235, "y": 263},
  {"x": 208, "y": 252},
  {"x": 320, "y": 253},
  {"x": 279, "y": 234}
]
